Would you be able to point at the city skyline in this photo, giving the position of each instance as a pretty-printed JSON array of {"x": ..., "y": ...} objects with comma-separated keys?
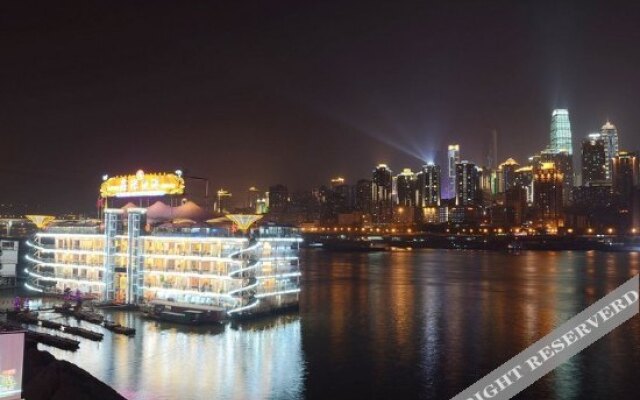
[
  {"x": 301, "y": 92},
  {"x": 243, "y": 196}
]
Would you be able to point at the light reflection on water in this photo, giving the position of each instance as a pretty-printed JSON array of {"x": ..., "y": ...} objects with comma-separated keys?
[
  {"x": 420, "y": 324},
  {"x": 427, "y": 324},
  {"x": 241, "y": 361}
]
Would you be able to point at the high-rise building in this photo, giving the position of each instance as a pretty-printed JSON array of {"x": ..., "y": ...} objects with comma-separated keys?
[
  {"x": 429, "y": 186},
  {"x": 467, "y": 184},
  {"x": 407, "y": 188},
  {"x": 563, "y": 162},
  {"x": 494, "y": 149},
  {"x": 561, "y": 132},
  {"x": 363, "y": 196},
  {"x": 381, "y": 194},
  {"x": 594, "y": 160},
  {"x": 507, "y": 172},
  {"x": 253, "y": 195},
  {"x": 625, "y": 177},
  {"x": 524, "y": 179},
  {"x": 223, "y": 202},
  {"x": 341, "y": 195},
  {"x": 547, "y": 193},
  {"x": 453, "y": 157},
  {"x": 609, "y": 134},
  {"x": 278, "y": 198}
]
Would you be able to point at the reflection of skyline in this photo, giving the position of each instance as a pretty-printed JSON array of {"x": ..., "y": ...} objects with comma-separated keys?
[
  {"x": 246, "y": 361},
  {"x": 433, "y": 322},
  {"x": 386, "y": 325}
]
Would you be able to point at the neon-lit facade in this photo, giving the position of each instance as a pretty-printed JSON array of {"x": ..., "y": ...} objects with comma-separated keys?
[
  {"x": 142, "y": 184},
  {"x": 122, "y": 263}
]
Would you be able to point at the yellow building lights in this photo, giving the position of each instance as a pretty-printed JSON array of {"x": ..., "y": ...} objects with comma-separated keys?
[{"x": 142, "y": 184}]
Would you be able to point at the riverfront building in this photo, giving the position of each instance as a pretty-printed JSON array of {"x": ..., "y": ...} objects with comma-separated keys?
[
  {"x": 128, "y": 258},
  {"x": 125, "y": 264}
]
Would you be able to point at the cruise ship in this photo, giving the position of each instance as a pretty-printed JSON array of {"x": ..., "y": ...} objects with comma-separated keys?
[{"x": 193, "y": 273}]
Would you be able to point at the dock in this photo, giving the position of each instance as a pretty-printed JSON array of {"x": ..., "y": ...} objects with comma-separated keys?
[
  {"x": 45, "y": 338},
  {"x": 32, "y": 319}
]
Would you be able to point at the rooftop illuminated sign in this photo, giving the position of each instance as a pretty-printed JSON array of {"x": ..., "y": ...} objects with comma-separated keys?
[{"x": 142, "y": 185}]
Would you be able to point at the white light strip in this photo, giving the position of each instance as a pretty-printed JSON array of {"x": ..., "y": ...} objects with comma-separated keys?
[
  {"x": 244, "y": 308},
  {"x": 242, "y": 289},
  {"x": 35, "y": 289},
  {"x": 75, "y": 235},
  {"x": 245, "y": 269},
  {"x": 136, "y": 210},
  {"x": 192, "y": 292},
  {"x": 204, "y": 239},
  {"x": 250, "y": 248},
  {"x": 285, "y": 239},
  {"x": 285, "y": 258},
  {"x": 55, "y": 279},
  {"x": 277, "y": 293},
  {"x": 70, "y": 251},
  {"x": 114, "y": 211},
  {"x": 188, "y": 274},
  {"x": 287, "y": 275},
  {"x": 62, "y": 264},
  {"x": 142, "y": 193},
  {"x": 193, "y": 258}
]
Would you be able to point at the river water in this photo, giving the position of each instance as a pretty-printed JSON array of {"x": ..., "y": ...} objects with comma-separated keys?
[{"x": 402, "y": 325}]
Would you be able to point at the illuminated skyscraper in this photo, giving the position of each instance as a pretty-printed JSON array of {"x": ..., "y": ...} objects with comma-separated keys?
[
  {"x": 548, "y": 191},
  {"x": 224, "y": 198},
  {"x": 563, "y": 163},
  {"x": 467, "y": 184},
  {"x": 381, "y": 190},
  {"x": 429, "y": 186},
  {"x": 609, "y": 134},
  {"x": 453, "y": 156},
  {"x": 561, "y": 132},
  {"x": 594, "y": 160},
  {"x": 407, "y": 188},
  {"x": 506, "y": 174},
  {"x": 252, "y": 197}
]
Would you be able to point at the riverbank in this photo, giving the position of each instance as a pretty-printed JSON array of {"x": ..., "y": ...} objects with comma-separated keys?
[
  {"x": 47, "y": 378},
  {"x": 508, "y": 242}
]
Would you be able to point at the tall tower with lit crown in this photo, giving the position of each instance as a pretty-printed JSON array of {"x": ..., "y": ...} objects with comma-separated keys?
[
  {"x": 453, "y": 156},
  {"x": 381, "y": 199},
  {"x": 561, "y": 132},
  {"x": 609, "y": 134}
]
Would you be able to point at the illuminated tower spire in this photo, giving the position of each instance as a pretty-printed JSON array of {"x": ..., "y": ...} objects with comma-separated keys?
[
  {"x": 453, "y": 156},
  {"x": 561, "y": 132}
]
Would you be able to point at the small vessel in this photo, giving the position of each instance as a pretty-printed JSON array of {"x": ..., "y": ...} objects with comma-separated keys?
[
  {"x": 85, "y": 333},
  {"x": 365, "y": 244},
  {"x": 117, "y": 328},
  {"x": 79, "y": 313},
  {"x": 193, "y": 314}
]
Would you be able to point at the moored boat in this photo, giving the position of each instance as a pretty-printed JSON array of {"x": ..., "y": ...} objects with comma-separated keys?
[
  {"x": 192, "y": 314},
  {"x": 117, "y": 328}
]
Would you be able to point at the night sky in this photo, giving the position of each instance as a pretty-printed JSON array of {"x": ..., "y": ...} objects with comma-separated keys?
[{"x": 297, "y": 92}]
